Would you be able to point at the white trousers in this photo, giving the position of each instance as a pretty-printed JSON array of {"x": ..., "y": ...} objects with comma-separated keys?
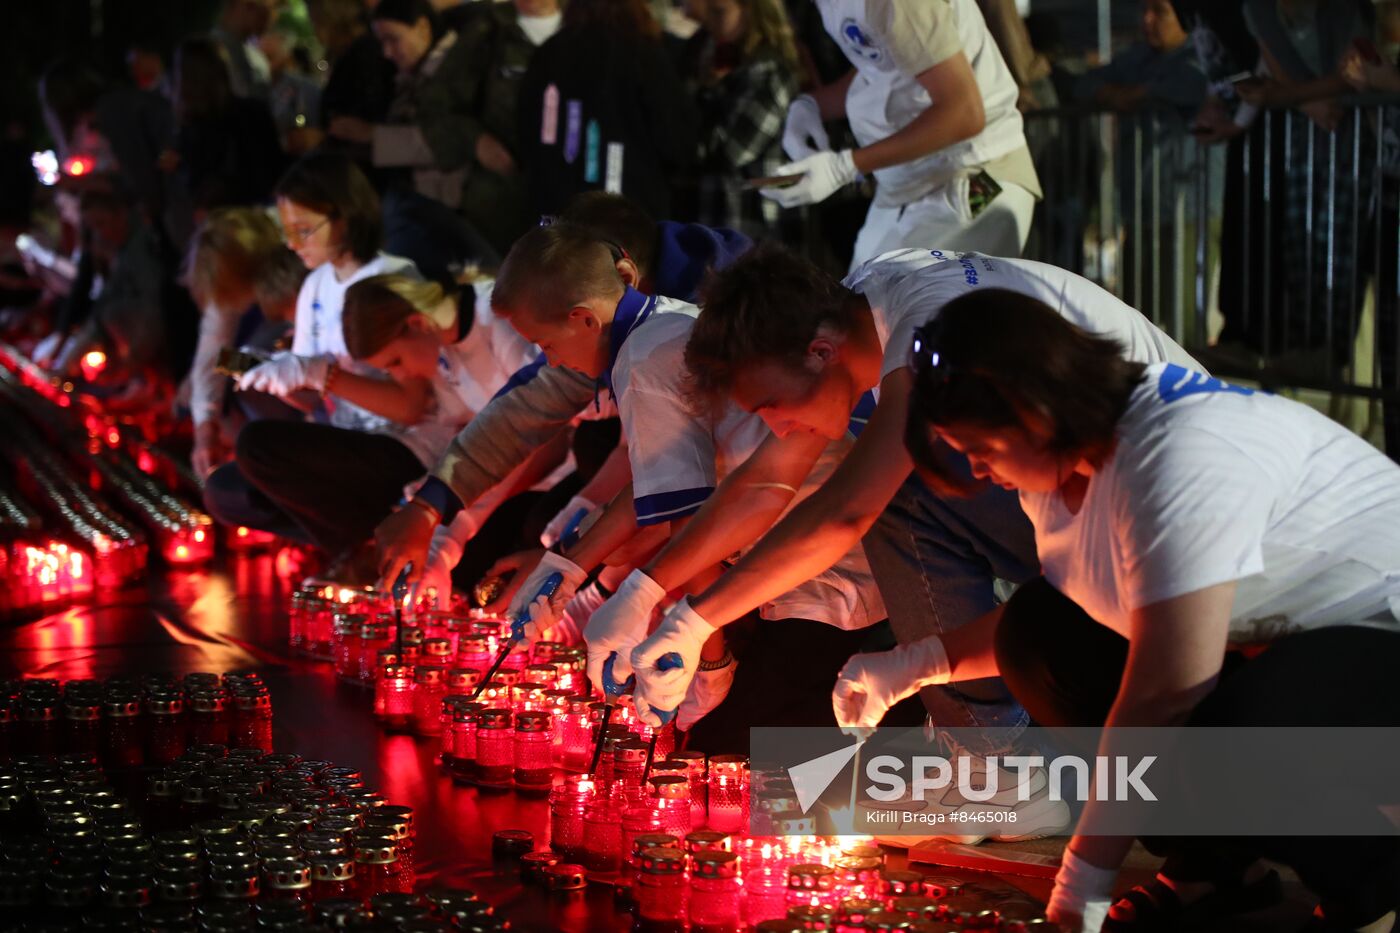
[{"x": 943, "y": 220}]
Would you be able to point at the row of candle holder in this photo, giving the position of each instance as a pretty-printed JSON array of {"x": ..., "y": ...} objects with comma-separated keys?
[{"x": 128, "y": 723}]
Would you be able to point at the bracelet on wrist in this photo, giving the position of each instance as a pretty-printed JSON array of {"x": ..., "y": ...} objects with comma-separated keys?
[
  {"x": 433, "y": 513},
  {"x": 718, "y": 664}
]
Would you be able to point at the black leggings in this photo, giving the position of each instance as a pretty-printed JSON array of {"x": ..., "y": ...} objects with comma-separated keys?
[{"x": 1065, "y": 669}]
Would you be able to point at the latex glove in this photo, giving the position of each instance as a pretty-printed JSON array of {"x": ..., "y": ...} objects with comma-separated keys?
[
  {"x": 542, "y": 621},
  {"x": 683, "y": 631},
  {"x": 870, "y": 684},
  {"x": 803, "y": 132},
  {"x": 824, "y": 173},
  {"x": 444, "y": 553},
  {"x": 578, "y": 612},
  {"x": 1083, "y": 892},
  {"x": 573, "y": 574},
  {"x": 285, "y": 373},
  {"x": 555, "y": 529},
  {"x": 707, "y": 690},
  {"x": 620, "y": 624}
]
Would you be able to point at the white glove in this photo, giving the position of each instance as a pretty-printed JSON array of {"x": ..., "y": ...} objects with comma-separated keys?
[
  {"x": 683, "y": 631},
  {"x": 620, "y": 624},
  {"x": 577, "y": 613},
  {"x": 285, "y": 373},
  {"x": 707, "y": 690},
  {"x": 803, "y": 133},
  {"x": 573, "y": 574},
  {"x": 824, "y": 173},
  {"x": 870, "y": 684},
  {"x": 555, "y": 529},
  {"x": 444, "y": 553},
  {"x": 1082, "y": 895}
]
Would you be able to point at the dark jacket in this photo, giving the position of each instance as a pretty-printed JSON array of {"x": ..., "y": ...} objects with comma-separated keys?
[{"x": 619, "y": 100}]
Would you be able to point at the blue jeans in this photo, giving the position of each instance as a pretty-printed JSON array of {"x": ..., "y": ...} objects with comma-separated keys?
[{"x": 935, "y": 560}]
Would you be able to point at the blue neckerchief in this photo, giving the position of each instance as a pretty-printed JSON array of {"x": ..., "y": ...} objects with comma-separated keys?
[{"x": 632, "y": 311}]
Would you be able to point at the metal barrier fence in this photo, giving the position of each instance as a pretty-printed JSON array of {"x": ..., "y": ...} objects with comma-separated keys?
[{"x": 1282, "y": 246}]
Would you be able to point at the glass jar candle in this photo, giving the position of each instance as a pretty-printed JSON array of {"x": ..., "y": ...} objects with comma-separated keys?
[
  {"x": 629, "y": 761},
  {"x": 434, "y": 623},
  {"x": 528, "y": 695},
  {"x": 394, "y": 697},
  {"x": 447, "y": 708},
  {"x": 547, "y": 675},
  {"x": 384, "y": 658},
  {"x": 319, "y": 622},
  {"x": 671, "y": 797},
  {"x": 575, "y": 746},
  {"x": 474, "y": 651},
  {"x": 209, "y": 717},
  {"x": 463, "y": 680},
  {"x": 429, "y": 687},
  {"x": 345, "y": 644},
  {"x": 602, "y": 840},
  {"x": 296, "y": 622},
  {"x": 464, "y": 723},
  {"x": 495, "y": 748},
  {"x": 811, "y": 884},
  {"x": 410, "y": 643},
  {"x": 374, "y": 638},
  {"x": 121, "y": 741},
  {"x": 287, "y": 880},
  {"x": 534, "y": 767},
  {"x": 611, "y": 737},
  {"x": 715, "y": 892},
  {"x": 567, "y": 804},
  {"x": 83, "y": 725},
  {"x": 724, "y": 812},
  {"x": 166, "y": 739},
  {"x": 332, "y": 876},
  {"x": 252, "y": 720},
  {"x": 858, "y": 876},
  {"x": 376, "y": 868},
  {"x": 662, "y": 893},
  {"x": 899, "y": 884},
  {"x": 437, "y": 651},
  {"x": 495, "y": 694},
  {"x": 697, "y": 770},
  {"x": 571, "y": 671}
]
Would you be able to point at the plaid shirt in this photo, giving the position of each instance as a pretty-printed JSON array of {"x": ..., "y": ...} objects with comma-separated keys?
[{"x": 742, "y": 116}]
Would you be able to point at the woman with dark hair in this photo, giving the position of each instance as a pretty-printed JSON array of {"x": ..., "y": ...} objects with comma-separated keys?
[
  {"x": 225, "y": 152},
  {"x": 324, "y": 482},
  {"x": 441, "y": 130},
  {"x": 1206, "y": 549},
  {"x": 603, "y": 107}
]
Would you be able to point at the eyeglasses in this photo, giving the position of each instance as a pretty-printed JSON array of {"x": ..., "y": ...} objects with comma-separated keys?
[{"x": 302, "y": 234}]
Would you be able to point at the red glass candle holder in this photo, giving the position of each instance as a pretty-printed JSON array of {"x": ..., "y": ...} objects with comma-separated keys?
[
  {"x": 662, "y": 893},
  {"x": 534, "y": 766},
  {"x": 429, "y": 687},
  {"x": 495, "y": 748},
  {"x": 715, "y": 892},
  {"x": 393, "y": 698}
]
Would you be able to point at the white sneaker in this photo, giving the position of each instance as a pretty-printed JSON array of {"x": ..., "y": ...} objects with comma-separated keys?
[{"x": 947, "y": 815}]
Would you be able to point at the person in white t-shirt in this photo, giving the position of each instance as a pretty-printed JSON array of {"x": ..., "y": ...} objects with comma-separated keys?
[
  {"x": 1178, "y": 519},
  {"x": 333, "y": 478},
  {"x": 933, "y": 109},
  {"x": 784, "y": 340},
  {"x": 588, "y": 316}
]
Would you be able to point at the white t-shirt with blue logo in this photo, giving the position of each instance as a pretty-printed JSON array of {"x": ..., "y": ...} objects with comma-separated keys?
[
  {"x": 1211, "y": 483},
  {"x": 907, "y": 287},
  {"x": 678, "y": 458}
]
